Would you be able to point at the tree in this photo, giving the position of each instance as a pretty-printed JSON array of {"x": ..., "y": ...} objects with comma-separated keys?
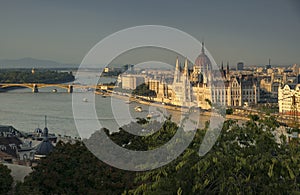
[
  {"x": 229, "y": 111},
  {"x": 72, "y": 169},
  {"x": 245, "y": 160},
  {"x": 254, "y": 117},
  {"x": 6, "y": 179},
  {"x": 143, "y": 90},
  {"x": 38, "y": 77}
]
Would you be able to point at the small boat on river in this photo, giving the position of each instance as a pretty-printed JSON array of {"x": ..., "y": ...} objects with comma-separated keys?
[{"x": 138, "y": 109}]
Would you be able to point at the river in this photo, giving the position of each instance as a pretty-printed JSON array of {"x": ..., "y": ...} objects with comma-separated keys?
[{"x": 25, "y": 110}]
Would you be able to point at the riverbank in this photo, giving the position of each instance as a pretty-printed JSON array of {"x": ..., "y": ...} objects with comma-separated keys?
[
  {"x": 237, "y": 117},
  {"x": 16, "y": 77},
  {"x": 36, "y": 76},
  {"x": 129, "y": 99}
]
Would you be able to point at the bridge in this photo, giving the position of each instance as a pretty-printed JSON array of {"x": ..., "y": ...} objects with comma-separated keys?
[{"x": 69, "y": 87}]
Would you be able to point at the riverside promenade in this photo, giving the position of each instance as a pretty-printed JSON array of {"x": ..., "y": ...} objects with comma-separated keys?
[{"x": 127, "y": 98}]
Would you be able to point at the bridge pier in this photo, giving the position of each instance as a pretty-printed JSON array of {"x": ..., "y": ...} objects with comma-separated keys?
[
  {"x": 35, "y": 88},
  {"x": 70, "y": 89}
]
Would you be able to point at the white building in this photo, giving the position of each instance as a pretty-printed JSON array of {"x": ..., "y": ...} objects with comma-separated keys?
[
  {"x": 131, "y": 81},
  {"x": 288, "y": 99}
]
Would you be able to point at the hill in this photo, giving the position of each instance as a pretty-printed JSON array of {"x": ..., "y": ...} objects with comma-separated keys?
[{"x": 32, "y": 62}]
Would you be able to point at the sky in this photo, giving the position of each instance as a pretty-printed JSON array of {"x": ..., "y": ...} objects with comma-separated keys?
[{"x": 233, "y": 30}]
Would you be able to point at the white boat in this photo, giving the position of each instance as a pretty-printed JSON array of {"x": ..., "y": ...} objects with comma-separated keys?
[
  {"x": 85, "y": 100},
  {"x": 127, "y": 102},
  {"x": 153, "y": 115},
  {"x": 138, "y": 109},
  {"x": 54, "y": 90}
]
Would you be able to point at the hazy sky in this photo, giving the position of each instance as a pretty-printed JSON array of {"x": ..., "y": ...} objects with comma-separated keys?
[{"x": 233, "y": 30}]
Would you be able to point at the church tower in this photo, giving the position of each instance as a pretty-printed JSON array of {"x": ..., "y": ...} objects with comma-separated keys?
[
  {"x": 177, "y": 72},
  {"x": 186, "y": 88},
  {"x": 227, "y": 71}
]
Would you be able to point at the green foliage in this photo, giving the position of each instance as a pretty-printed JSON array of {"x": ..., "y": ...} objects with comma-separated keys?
[
  {"x": 47, "y": 76},
  {"x": 155, "y": 139},
  {"x": 254, "y": 117},
  {"x": 229, "y": 111},
  {"x": 143, "y": 90},
  {"x": 269, "y": 108},
  {"x": 6, "y": 179},
  {"x": 72, "y": 169},
  {"x": 244, "y": 160}
]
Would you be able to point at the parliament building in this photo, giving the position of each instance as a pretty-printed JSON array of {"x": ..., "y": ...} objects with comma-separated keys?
[{"x": 203, "y": 84}]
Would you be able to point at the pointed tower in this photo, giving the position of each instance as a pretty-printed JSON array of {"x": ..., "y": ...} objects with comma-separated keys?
[
  {"x": 164, "y": 86},
  {"x": 186, "y": 88},
  {"x": 177, "y": 72},
  {"x": 222, "y": 66},
  {"x": 227, "y": 70},
  {"x": 202, "y": 49},
  {"x": 186, "y": 69},
  {"x": 162, "y": 89},
  {"x": 45, "y": 147},
  {"x": 268, "y": 66},
  {"x": 45, "y": 129}
]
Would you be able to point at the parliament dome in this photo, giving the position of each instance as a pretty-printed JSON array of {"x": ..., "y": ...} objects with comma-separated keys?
[{"x": 202, "y": 61}]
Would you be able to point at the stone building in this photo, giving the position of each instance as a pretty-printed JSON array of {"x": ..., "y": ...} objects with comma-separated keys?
[
  {"x": 216, "y": 85},
  {"x": 195, "y": 86},
  {"x": 288, "y": 99},
  {"x": 131, "y": 81}
]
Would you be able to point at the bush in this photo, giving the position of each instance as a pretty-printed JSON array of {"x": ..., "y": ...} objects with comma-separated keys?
[
  {"x": 6, "y": 179},
  {"x": 229, "y": 111}
]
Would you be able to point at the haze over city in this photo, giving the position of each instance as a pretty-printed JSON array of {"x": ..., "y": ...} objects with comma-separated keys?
[
  {"x": 249, "y": 31},
  {"x": 150, "y": 97}
]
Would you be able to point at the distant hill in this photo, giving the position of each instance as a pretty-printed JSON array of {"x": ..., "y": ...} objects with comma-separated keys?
[{"x": 31, "y": 62}]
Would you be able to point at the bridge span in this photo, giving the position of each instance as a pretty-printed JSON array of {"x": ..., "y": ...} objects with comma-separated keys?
[{"x": 69, "y": 87}]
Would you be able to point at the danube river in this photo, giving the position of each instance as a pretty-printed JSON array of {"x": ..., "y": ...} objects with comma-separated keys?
[{"x": 25, "y": 110}]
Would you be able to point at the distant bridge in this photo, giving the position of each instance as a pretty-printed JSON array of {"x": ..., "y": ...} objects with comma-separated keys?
[{"x": 69, "y": 87}]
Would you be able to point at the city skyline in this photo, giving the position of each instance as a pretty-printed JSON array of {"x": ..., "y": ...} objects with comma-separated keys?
[{"x": 65, "y": 31}]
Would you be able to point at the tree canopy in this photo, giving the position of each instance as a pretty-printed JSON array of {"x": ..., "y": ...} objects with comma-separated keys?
[
  {"x": 6, "y": 179},
  {"x": 246, "y": 159},
  {"x": 25, "y": 76},
  {"x": 72, "y": 169},
  {"x": 143, "y": 90}
]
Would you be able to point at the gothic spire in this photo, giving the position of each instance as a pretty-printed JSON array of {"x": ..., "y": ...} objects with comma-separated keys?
[
  {"x": 202, "y": 49},
  {"x": 185, "y": 70},
  {"x": 227, "y": 67},
  {"x": 177, "y": 64},
  {"x": 177, "y": 71}
]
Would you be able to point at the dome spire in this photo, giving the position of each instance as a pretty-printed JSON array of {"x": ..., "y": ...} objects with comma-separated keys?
[
  {"x": 45, "y": 120},
  {"x": 45, "y": 129},
  {"x": 202, "y": 49}
]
